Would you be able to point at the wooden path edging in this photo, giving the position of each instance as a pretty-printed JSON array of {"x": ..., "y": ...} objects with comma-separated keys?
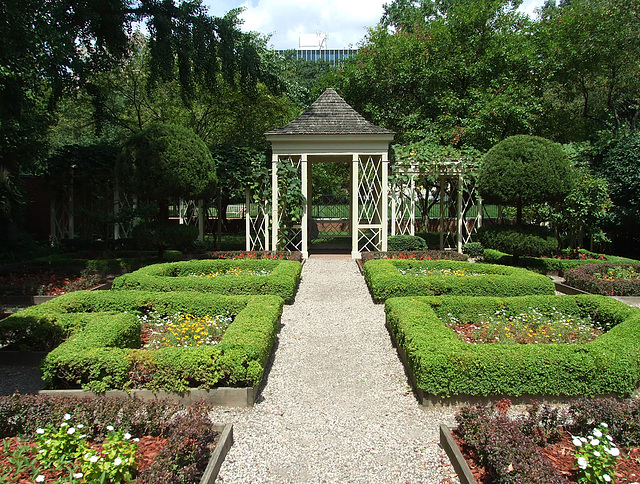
[
  {"x": 219, "y": 454},
  {"x": 455, "y": 456}
]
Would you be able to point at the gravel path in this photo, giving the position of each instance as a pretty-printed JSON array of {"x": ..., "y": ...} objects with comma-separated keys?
[{"x": 336, "y": 407}]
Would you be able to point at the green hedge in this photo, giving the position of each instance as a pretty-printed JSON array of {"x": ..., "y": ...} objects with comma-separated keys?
[
  {"x": 281, "y": 281},
  {"x": 545, "y": 265},
  {"x": 97, "y": 333},
  {"x": 385, "y": 280},
  {"x": 444, "y": 366}
]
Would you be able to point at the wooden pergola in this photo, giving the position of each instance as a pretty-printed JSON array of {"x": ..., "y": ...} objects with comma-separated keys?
[{"x": 331, "y": 131}]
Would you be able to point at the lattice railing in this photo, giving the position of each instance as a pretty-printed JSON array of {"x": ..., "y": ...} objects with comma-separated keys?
[
  {"x": 403, "y": 207},
  {"x": 370, "y": 193},
  {"x": 289, "y": 235},
  {"x": 257, "y": 223}
]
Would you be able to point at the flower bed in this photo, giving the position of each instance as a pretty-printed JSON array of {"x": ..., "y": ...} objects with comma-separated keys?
[
  {"x": 441, "y": 365},
  {"x": 415, "y": 255},
  {"x": 392, "y": 278},
  {"x": 242, "y": 277},
  {"x": 607, "y": 279},
  {"x": 44, "y": 283},
  {"x": 175, "y": 443},
  {"x": 95, "y": 338},
  {"x": 593, "y": 440},
  {"x": 558, "y": 264},
  {"x": 255, "y": 254}
]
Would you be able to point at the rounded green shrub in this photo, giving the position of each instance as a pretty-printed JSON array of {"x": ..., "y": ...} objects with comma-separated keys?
[
  {"x": 523, "y": 240},
  {"x": 406, "y": 242},
  {"x": 473, "y": 249},
  {"x": 522, "y": 170}
]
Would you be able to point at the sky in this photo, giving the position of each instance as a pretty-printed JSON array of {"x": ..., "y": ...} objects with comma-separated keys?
[{"x": 344, "y": 21}]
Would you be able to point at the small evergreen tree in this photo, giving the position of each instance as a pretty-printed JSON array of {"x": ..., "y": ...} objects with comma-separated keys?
[
  {"x": 164, "y": 162},
  {"x": 522, "y": 170}
]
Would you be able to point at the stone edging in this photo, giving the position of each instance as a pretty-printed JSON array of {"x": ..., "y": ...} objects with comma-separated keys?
[
  {"x": 219, "y": 454},
  {"x": 222, "y": 396},
  {"x": 455, "y": 456}
]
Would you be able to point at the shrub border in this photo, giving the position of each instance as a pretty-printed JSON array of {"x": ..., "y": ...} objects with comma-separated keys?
[
  {"x": 409, "y": 357},
  {"x": 385, "y": 281},
  {"x": 282, "y": 281}
]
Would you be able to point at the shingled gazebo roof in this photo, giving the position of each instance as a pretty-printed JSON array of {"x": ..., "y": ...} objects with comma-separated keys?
[{"x": 330, "y": 115}]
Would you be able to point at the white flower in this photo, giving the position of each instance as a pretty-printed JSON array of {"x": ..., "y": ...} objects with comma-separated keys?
[
  {"x": 610, "y": 438},
  {"x": 136, "y": 439},
  {"x": 67, "y": 416},
  {"x": 71, "y": 431},
  {"x": 603, "y": 424},
  {"x": 606, "y": 477},
  {"x": 127, "y": 436},
  {"x": 110, "y": 428},
  {"x": 597, "y": 454},
  {"x": 94, "y": 459},
  {"x": 614, "y": 452},
  {"x": 64, "y": 424},
  {"x": 577, "y": 442},
  {"x": 40, "y": 478},
  {"x": 583, "y": 439},
  {"x": 582, "y": 463},
  {"x": 78, "y": 475},
  {"x": 117, "y": 462},
  {"x": 80, "y": 426},
  {"x": 597, "y": 433},
  {"x": 595, "y": 442},
  {"x": 40, "y": 431}
]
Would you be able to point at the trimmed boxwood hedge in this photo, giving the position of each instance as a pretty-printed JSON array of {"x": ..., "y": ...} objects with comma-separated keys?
[
  {"x": 97, "y": 333},
  {"x": 545, "y": 265},
  {"x": 281, "y": 281},
  {"x": 445, "y": 366},
  {"x": 385, "y": 280},
  {"x": 584, "y": 277}
]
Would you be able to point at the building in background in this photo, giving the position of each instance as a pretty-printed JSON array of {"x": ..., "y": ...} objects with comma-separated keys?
[{"x": 313, "y": 47}]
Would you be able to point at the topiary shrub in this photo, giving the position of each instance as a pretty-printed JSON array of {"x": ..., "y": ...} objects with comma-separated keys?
[
  {"x": 406, "y": 242},
  {"x": 522, "y": 170},
  {"x": 473, "y": 249},
  {"x": 524, "y": 240}
]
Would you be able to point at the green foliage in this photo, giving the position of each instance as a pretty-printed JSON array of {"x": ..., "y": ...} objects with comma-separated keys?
[
  {"x": 473, "y": 249},
  {"x": 282, "y": 277},
  {"x": 441, "y": 71},
  {"x": 166, "y": 161},
  {"x": 546, "y": 265},
  {"x": 165, "y": 236},
  {"x": 406, "y": 242},
  {"x": 522, "y": 170},
  {"x": 414, "y": 255},
  {"x": 99, "y": 352},
  {"x": 621, "y": 167},
  {"x": 524, "y": 240},
  {"x": 386, "y": 280},
  {"x": 443, "y": 365}
]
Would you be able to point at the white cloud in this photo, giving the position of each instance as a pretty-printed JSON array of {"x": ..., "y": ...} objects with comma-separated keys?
[{"x": 344, "y": 21}]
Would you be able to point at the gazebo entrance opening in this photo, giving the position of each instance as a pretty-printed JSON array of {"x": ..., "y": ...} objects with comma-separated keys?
[{"x": 329, "y": 206}]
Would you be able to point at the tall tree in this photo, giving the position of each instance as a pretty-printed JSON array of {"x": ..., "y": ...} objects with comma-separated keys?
[
  {"x": 461, "y": 72},
  {"x": 49, "y": 47},
  {"x": 589, "y": 51}
]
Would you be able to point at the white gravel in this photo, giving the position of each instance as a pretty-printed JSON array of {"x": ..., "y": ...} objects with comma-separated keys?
[{"x": 336, "y": 407}]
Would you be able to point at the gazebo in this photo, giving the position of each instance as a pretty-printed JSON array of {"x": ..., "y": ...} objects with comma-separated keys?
[{"x": 329, "y": 131}]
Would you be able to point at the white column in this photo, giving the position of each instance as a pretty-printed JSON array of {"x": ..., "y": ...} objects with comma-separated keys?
[
  {"x": 247, "y": 220},
  {"x": 385, "y": 202},
  {"x": 394, "y": 209},
  {"x": 442, "y": 212},
  {"x": 274, "y": 202},
  {"x": 412, "y": 191},
  {"x": 459, "y": 213},
  {"x": 181, "y": 211},
  {"x": 201, "y": 220},
  {"x": 355, "y": 204},
  {"x": 116, "y": 210},
  {"x": 305, "y": 212}
]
